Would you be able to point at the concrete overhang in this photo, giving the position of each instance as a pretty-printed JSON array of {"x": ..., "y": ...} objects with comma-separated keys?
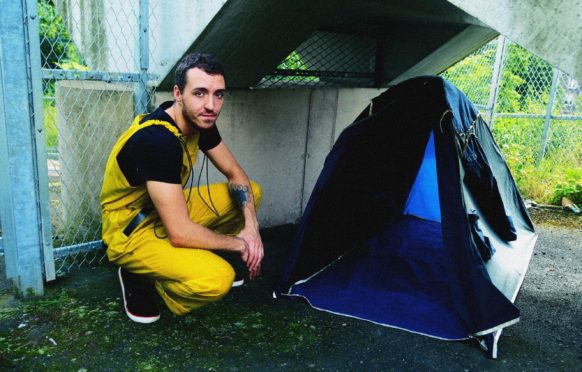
[
  {"x": 413, "y": 37},
  {"x": 551, "y": 29},
  {"x": 408, "y": 37},
  {"x": 252, "y": 37}
]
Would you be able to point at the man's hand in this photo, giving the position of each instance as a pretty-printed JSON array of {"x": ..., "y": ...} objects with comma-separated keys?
[
  {"x": 241, "y": 192},
  {"x": 242, "y": 249},
  {"x": 254, "y": 256}
]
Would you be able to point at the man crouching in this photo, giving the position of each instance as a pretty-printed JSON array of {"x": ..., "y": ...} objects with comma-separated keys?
[{"x": 162, "y": 233}]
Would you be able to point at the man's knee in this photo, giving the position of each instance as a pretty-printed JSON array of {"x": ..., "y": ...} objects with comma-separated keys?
[{"x": 213, "y": 287}]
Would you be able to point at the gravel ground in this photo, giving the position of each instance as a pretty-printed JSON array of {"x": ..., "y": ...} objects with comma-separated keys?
[{"x": 249, "y": 330}]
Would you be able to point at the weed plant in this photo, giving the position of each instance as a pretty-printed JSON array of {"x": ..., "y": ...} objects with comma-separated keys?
[{"x": 559, "y": 173}]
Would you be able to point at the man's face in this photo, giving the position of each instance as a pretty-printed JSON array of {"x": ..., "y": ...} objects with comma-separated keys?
[{"x": 202, "y": 98}]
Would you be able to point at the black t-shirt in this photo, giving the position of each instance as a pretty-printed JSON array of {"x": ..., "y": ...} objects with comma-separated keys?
[{"x": 155, "y": 154}]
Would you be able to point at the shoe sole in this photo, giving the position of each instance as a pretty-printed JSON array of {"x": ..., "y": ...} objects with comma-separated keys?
[
  {"x": 238, "y": 283},
  {"x": 135, "y": 318}
]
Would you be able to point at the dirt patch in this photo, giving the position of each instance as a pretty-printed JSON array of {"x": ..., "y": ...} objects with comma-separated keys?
[{"x": 560, "y": 218}]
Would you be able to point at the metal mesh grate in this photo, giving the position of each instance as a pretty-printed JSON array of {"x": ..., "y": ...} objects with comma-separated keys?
[
  {"x": 327, "y": 59},
  {"x": 526, "y": 83},
  {"x": 474, "y": 74}
]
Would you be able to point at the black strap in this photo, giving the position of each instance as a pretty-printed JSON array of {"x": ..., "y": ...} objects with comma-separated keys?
[
  {"x": 137, "y": 220},
  {"x": 483, "y": 243}
]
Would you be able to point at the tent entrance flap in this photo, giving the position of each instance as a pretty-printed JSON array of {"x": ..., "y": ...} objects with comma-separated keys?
[
  {"x": 399, "y": 278},
  {"x": 423, "y": 200}
]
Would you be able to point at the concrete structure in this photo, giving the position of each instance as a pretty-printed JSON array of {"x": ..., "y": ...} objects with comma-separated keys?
[
  {"x": 413, "y": 37},
  {"x": 90, "y": 117},
  {"x": 552, "y": 29},
  {"x": 281, "y": 138},
  {"x": 253, "y": 36},
  {"x": 106, "y": 31}
]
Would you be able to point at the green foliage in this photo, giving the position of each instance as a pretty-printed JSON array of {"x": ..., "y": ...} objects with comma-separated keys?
[
  {"x": 571, "y": 188},
  {"x": 72, "y": 65},
  {"x": 524, "y": 87},
  {"x": 55, "y": 40},
  {"x": 509, "y": 97},
  {"x": 58, "y": 51},
  {"x": 526, "y": 82},
  {"x": 519, "y": 140},
  {"x": 293, "y": 62},
  {"x": 472, "y": 75},
  {"x": 50, "y": 124},
  {"x": 560, "y": 171}
]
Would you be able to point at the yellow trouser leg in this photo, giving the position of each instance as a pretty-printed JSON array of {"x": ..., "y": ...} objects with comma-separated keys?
[{"x": 187, "y": 278}]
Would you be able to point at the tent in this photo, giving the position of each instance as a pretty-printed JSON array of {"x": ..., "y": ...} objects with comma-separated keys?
[{"x": 415, "y": 221}]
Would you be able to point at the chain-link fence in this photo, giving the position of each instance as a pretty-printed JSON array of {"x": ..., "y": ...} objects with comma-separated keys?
[
  {"x": 91, "y": 56},
  {"x": 94, "y": 83},
  {"x": 535, "y": 112}
]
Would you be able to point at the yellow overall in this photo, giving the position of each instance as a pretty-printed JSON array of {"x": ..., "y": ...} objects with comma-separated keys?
[{"x": 185, "y": 278}]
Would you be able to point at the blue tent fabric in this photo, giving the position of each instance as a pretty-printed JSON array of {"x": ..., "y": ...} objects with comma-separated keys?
[
  {"x": 385, "y": 236},
  {"x": 397, "y": 285},
  {"x": 423, "y": 200}
]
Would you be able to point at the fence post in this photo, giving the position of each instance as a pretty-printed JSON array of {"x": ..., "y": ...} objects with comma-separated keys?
[
  {"x": 23, "y": 167},
  {"x": 548, "y": 117},
  {"x": 496, "y": 78},
  {"x": 143, "y": 62}
]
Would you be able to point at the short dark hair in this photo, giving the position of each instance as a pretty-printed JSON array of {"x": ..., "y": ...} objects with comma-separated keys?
[{"x": 205, "y": 61}]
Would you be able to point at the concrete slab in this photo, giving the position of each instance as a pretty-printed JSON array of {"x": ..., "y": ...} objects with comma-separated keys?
[
  {"x": 552, "y": 29},
  {"x": 252, "y": 37}
]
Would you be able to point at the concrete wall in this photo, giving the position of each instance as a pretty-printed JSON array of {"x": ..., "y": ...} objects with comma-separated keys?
[
  {"x": 281, "y": 138},
  {"x": 174, "y": 28},
  {"x": 90, "y": 117},
  {"x": 552, "y": 29},
  {"x": 106, "y": 32}
]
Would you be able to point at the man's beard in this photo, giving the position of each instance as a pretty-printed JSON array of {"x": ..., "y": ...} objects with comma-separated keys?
[{"x": 193, "y": 122}]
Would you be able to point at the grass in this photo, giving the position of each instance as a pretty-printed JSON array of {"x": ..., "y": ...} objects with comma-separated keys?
[
  {"x": 81, "y": 329},
  {"x": 50, "y": 125},
  {"x": 558, "y": 174}
]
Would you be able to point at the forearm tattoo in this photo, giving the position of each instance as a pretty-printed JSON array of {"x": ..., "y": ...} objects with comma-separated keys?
[{"x": 240, "y": 193}]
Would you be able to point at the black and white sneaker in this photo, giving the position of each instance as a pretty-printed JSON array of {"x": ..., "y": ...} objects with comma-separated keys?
[
  {"x": 138, "y": 297},
  {"x": 239, "y": 280}
]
